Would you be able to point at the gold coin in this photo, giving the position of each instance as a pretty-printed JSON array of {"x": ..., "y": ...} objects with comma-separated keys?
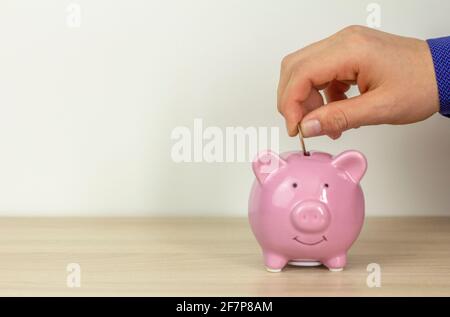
[{"x": 302, "y": 141}]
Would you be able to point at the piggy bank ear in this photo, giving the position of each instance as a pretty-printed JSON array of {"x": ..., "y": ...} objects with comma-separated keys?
[
  {"x": 352, "y": 162},
  {"x": 266, "y": 163}
]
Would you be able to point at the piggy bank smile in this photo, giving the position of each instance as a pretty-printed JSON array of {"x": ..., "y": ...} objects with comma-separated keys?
[
  {"x": 322, "y": 239},
  {"x": 307, "y": 208}
]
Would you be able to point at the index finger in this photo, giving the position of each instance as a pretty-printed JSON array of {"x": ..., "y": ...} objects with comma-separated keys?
[{"x": 310, "y": 74}]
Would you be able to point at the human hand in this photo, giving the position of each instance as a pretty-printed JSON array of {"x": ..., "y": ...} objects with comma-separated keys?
[{"x": 394, "y": 74}]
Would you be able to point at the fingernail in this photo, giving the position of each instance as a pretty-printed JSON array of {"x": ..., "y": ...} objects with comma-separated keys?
[{"x": 311, "y": 128}]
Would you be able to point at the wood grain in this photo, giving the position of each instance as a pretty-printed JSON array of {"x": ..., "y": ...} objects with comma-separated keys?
[{"x": 210, "y": 257}]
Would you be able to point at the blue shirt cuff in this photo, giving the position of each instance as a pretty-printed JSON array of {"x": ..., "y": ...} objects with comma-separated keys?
[{"x": 440, "y": 51}]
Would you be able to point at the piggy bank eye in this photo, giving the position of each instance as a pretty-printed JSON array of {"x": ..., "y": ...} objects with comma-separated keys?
[
  {"x": 294, "y": 185},
  {"x": 326, "y": 185}
]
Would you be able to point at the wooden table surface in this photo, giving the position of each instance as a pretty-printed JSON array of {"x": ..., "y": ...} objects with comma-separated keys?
[{"x": 210, "y": 257}]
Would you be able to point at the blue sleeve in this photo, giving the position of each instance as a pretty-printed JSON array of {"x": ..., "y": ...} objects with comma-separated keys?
[{"x": 440, "y": 51}]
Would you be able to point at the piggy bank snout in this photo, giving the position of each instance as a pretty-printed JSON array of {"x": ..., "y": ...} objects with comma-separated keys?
[{"x": 310, "y": 216}]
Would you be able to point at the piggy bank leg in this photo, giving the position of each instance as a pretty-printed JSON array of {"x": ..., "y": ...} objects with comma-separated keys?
[
  {"x": 336, "y": 263},
  {"x": 274, "y": 262}
]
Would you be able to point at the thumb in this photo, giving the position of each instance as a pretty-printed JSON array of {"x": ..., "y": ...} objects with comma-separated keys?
[{"x": 339, "y": 116}]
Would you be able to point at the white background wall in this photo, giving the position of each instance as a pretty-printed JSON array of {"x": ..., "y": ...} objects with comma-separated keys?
[{"x": 86, "y": 113}]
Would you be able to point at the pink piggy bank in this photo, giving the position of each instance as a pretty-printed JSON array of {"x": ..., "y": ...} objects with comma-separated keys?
[{"x": 307, "y": 209}]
